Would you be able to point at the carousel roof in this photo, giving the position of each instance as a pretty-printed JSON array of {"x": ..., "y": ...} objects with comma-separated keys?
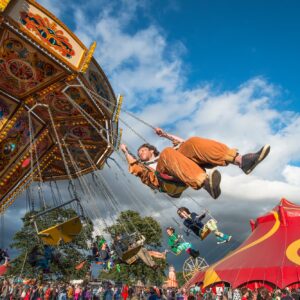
[{"x": 47, "y": 73}]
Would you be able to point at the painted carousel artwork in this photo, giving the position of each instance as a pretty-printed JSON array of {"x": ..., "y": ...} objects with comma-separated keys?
[{"x": 51, "y": 88}]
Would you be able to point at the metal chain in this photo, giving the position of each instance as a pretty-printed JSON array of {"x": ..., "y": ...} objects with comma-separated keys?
[
  {"x": 123, "y": 110},
  {"x": 124, "y": 122},
  {"x": 89, "y": 118},
  {"x": 92, "y": 214},
  {"x": 105, "y": 187},
  {"x": 33, "y": 144}
]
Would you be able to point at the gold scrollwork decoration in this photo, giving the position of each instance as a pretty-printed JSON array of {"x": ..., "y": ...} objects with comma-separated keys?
[
  {"x": 3, "y": 5},
  {"x": 89, "y": 57}
]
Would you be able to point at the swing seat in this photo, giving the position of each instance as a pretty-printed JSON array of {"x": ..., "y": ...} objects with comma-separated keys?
[
  {"x": 130, "y": 256},
  {"x": 64, "y": 232},
  {"x": 129, "y": 246},
  {"x": 131, "y": 252},
  {"x": 204, "y": 232},
  {"x": 171, "y": 185},
  {"x": 177, "y": 253},
  {"x": 210, "y": 226}
]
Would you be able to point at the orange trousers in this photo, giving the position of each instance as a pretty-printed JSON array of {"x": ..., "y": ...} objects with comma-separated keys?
[{"x": 188, "y": 163}]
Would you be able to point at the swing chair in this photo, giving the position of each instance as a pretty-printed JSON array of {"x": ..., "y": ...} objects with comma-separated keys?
[
  {"x": 170, "y": 185},
  {"x": 209, "y": 226},
  {"x": 134, "y": 250},
  {"x": 128, "y": 246},
  {"x": 65, "y": 232}
]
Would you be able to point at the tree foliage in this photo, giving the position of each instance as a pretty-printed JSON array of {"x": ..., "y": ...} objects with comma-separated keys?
[
  {"x": 130, "y": 222},
  {"x": 69, "y": 254},
  {"x": 180, "y": 279}
]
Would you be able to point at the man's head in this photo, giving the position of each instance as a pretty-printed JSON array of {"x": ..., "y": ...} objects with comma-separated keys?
[
  {"x": 147, "y": 152},
  {"x": 170, "y": 230},
  {"x": 183, "y": 212}
]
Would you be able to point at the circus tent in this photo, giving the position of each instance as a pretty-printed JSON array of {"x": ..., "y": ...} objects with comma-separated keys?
[{"x": 270, "y": 256}]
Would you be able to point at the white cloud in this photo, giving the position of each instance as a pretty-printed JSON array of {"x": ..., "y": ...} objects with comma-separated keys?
[
  {"x": 292, "y": 175},
  {"x": 259, "y": 189}
]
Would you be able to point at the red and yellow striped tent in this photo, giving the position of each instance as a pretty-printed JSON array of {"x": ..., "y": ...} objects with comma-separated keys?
[{"x": 270, "y": 256}]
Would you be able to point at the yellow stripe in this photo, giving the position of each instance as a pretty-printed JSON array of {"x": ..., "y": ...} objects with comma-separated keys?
[
  {"x": 3, "y": 4},
  {"x": 292, "y": 252}
]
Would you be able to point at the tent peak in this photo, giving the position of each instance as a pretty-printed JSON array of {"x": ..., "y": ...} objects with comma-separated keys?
[{"x": 288, "y": 204}]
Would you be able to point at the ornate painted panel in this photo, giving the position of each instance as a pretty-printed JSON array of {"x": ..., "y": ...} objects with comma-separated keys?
[
  {"x": 61, "y": 107},
  {"x": 82, "y": 130},
  {"x": 17, "y": 141},
  {"x": 22, "y": 68},
  {"x": 99, "y": 84},
  {"x": 49, "y": 31},
  {"x": 17, "y": 172}
]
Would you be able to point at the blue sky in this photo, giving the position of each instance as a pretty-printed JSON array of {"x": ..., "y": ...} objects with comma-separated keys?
[
  {"x": 226, "y": 70},
  {"x": 229, "y": 42},
  {"x": 224, "y": 42}
]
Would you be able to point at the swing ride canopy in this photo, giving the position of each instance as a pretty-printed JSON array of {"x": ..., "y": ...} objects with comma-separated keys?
[
  {"x": 270, "y": 256},
  {"x": 52, "y": 90}
]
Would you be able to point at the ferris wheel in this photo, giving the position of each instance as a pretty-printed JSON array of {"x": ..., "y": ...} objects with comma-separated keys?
[{"x": 192, "y": 266}]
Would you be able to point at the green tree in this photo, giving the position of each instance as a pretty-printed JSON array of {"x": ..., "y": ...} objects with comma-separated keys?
[
  {"x": 131, "y": 221},
  {"x": 180, "y": 278},
  {"x": 69, "y": 255}
]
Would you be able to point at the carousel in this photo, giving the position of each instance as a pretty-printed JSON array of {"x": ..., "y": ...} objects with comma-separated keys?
[{"x": 56, "y": 103}]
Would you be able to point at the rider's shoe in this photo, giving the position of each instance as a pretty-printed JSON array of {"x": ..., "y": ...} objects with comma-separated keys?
[
  {"x": 212, "y": 184},
  {"x": 251, "y": 160}
]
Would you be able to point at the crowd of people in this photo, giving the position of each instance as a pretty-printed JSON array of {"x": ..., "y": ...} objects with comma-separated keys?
[{"x": 32, "y": 290}]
